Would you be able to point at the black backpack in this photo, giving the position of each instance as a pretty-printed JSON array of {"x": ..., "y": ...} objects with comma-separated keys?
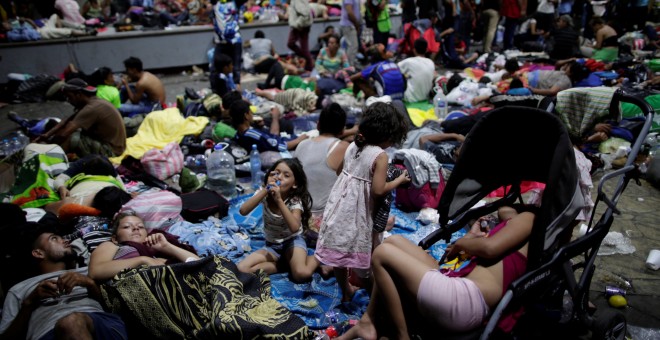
[{"x": 198, "y": 205}]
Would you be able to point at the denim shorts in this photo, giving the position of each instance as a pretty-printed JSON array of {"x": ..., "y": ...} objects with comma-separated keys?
[
  {"x": 107, "y": 326},
  {"x": 277, "y": 249}
]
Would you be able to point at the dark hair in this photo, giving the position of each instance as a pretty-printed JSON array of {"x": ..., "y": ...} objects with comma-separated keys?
[
  {"x": 259, "y": 34},
  {"x": 99, "y": 76},
  {"x": 237, "y": 112},
  {"x": 381, "y": 123},
  {"x": 300, "y": 191},
  {"x": 220, "y": 61},
  {"x": 516, "y": 83},
  {"x": 133, "y": 62},
  {"x": 374, "y": 54},
  {"x": 327, "y": 29},
  {"x": 485, "y": 80},
  {"x": 230, "y": 98},
  {"x": 596, "y": 21},
  {"x": 511, "y": 65},
  {"x": 332, "y": 120},
  {"x": 94, "y": 164},
  {"x": 421, "y": 46},
  {"x": 109, "y": 200},
  {"x": 578, "y": 71},
  {"x": 335, "y": 36}
]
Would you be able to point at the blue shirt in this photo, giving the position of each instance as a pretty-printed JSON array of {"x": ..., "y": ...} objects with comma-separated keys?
[
  {"x": 264, "y": 140},
  {"x": 225, "y": 22},
  {"x": 388, "y": 77}
]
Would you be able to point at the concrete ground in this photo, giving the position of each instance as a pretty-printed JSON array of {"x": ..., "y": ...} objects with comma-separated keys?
[{"x": 639, "y": 219}]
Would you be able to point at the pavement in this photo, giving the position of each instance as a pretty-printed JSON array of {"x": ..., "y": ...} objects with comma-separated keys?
[{"x": 639, "y": 221}]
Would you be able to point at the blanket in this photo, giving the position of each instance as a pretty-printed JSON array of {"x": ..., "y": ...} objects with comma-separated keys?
[
  {"x": 34, "y": 183},
  {"x": 581, "y": 108},
  {"x": 208, "y": 299},
  {"x": 160, "y": 128},
  {"x": 420, "y": 111}
]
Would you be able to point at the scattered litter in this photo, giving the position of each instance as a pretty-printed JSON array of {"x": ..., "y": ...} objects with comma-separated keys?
[
  {"x": 615, "y": 243},
  {"x": 653, "y": 261},
  {"x": 428, "y": 215},
  {"x": 640, "y": 199}
]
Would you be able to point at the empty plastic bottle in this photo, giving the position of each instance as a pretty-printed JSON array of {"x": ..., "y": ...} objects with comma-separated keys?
[
  {"x": 255, "y": 167},
  {"x": 16, "y": 145},
  {"x": 220, "y": 172},
  {"x": 440, "y": 104},
  {"x": 5, "y": 148},
  {"x": 25, "y": 140}
]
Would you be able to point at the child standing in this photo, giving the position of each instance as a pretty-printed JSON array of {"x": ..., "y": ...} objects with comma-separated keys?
[
  {"x": 346, "y": 235},
  {"x": 286, "y": 208}
]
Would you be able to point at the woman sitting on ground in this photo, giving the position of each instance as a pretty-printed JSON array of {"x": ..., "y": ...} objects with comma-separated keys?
[
  {"x": 333, "y": 68},
  {"x": 606, "y": 46},
  {"x": 132, "y": 246},
  {"x": 407, "y": 278}
]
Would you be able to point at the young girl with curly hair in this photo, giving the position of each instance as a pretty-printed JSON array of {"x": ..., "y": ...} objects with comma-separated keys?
[{"x": 346, "y": 236}]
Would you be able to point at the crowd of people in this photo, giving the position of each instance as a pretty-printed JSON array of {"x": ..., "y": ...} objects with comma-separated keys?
[{"x": 330, "y": 197}]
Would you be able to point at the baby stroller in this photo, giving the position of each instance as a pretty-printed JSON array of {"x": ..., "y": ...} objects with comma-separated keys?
[{"x": 545, "y": 155}]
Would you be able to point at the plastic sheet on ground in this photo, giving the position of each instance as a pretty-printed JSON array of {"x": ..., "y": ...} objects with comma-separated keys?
[{"x": 615, "y": 243}]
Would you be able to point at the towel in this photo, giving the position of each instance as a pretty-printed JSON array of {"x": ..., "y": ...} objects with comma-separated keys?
[
  {"x": 581, "y": 108},
  {"x": 160, "y": 128}
]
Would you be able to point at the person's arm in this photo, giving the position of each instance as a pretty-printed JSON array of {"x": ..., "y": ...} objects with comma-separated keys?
[
  {"x": 292, "y": 218},
  {"x": 336, "y": 158},
  {"x": 512, "y": 236},
  {"x": 356, "y": 77},
  {"x": 157, "y": 241},
  {"x": 19, "y": 325},
  {"x": 599, "y": 39},
  {"x": 292, "y": 144},
  {"x": 546, "y": 92},
  {"x": 563, "y": 62},
  {"x": 134, "y": 96},
  {"x": 319, "y": 63},
  {"x": 448, "y": 31},
  {"x": 275, "y": 123},
  {"x": 68, "y": 280},
  {"x": 438, "y": 137},
  {"x": 351, "y": 16},
  {"x": 523, "y": 7},
  {"x": 253, "y": 201},
  {"x": 379, "y": 184},
  {"x": 59, "y": 132},
  {"x": 103, "y": 267}
]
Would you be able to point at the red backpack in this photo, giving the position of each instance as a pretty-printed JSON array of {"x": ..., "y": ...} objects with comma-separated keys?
[{"x": 409, "y": 198}]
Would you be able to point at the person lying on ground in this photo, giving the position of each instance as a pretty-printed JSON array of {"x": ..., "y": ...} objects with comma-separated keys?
[
  {"x": 61, "y": 301},
  {"x": 132, "y": 246}
]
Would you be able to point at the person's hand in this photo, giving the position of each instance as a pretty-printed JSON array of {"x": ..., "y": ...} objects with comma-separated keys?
[
  {"x": 476, "y": 230},
  {"x": 303, "y": 136},
  {"x": 273, "y": 188},
  {"x": 275, "y": 113},
  {"x": 157, "y": 242},
  {"x": 44, "y": 290},
  {"x": 68, "y": 280},
  {"x": 603, "y": 127},
  {"x": 63, "y": 191},
  {"x": 404, "y": 177},
  {"x": 452, "y": 251}
]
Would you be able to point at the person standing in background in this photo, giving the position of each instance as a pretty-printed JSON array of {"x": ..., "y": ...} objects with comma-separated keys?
[
  {"x": 227, "y": 34},
  {"x": 512, "y": 11},
  {"x": 300, "y": 21},
  {"x": 491, "y": 17},
  {"x": 350, "y": 23}
]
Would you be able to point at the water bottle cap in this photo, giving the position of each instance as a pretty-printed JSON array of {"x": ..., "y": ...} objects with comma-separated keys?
[
  {"x": 218, "y": 147},
  {"x": 254, "y": 146}
]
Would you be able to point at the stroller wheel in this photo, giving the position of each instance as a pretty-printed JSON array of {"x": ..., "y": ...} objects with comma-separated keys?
[{"x": 610, "y": 325}]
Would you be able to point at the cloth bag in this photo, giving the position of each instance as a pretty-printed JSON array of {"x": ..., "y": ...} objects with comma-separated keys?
[
  {"x": 158, "y": 209},
  {"x": 164, "y": 163}
]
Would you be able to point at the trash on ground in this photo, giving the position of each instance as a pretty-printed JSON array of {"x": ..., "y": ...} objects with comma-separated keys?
[{"x": 615, "y": 243}]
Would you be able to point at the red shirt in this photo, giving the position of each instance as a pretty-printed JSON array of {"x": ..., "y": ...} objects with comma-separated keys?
[{"x": 510, "y": 9}]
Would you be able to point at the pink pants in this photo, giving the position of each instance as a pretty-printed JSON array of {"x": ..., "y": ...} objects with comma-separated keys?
[{"x": 453, "y": 303}]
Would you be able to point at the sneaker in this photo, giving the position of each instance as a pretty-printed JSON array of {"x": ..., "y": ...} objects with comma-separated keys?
[{"x": 13, "y": 116}]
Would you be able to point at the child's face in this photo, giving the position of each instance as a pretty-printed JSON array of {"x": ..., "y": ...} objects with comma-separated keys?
[{"x": 282, "y": 173}]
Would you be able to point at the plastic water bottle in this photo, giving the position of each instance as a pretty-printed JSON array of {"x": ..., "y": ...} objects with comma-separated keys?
[
  {"x": 25, "y": 140},
  {"x": 221, "y": 176},
  {"x": 16, "y": 144},
  {"x": 255, "y": 167},
  {"x": 5, "y": 148},
  {"x": 441, "y": 105}
]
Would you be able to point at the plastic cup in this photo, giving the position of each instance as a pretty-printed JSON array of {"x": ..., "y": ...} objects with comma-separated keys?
[{"x": 653, "y": 261}]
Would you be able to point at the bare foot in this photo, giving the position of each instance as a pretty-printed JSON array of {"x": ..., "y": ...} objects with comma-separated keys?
[
  {"x": 364, "y": 329},
  {"x": 390, "y": 223}
]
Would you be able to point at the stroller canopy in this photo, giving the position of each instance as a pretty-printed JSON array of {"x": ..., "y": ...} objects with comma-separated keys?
[{"x": 513, "y": 144}]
